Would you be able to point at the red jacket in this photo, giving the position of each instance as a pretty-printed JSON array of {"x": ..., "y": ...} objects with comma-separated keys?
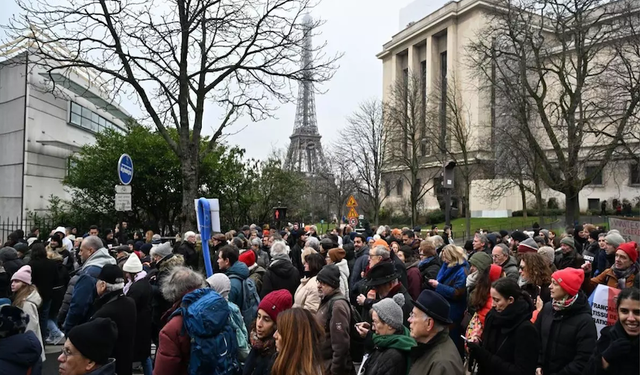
[
  {"x": 414, "y": 279},
  {"x": 174, "y": 347}
]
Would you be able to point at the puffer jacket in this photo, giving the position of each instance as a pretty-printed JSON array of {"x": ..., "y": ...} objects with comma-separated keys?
[
  {"x": 624, "y": 364},
  {"x": 389, "y": 357},
  {"x": 281, "y": 274},
  {"x": 429, "y": 269},
  {"x": 21, "y": 354},
  {"x": 335, "y": 347},
  {"x": 237, "y": 273},
  {"x": 344, "y": 276},
  {"x": 567, "y": 338},
  {"x": 92, "y": 268},
  {"x": 307, "y": 296},
  {"x": 172, "y": 357},
  {"x": 10, "y": 261}
]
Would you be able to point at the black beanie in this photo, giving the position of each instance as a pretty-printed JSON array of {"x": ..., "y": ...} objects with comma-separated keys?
[
  {"x": 330, "y": 275},
  {"x": 111, "y": 274},
  {"x": 95, "y": 339}
]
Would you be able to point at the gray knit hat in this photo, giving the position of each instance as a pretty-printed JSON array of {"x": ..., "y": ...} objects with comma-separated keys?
[
  {"x": 162, "y": 250},
  {"x": 390, "y": 310},
  {"x": 220, "y": 283},
  {"x": 614, "y": 239}
]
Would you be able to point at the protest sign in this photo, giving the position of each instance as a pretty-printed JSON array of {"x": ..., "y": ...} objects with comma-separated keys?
[
  {"x": 628, "y": 228},
  {"x": 603, "y": 306}
]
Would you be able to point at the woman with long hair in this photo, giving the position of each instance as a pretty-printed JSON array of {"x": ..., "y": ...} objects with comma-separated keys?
[
  {"x": 26, "y": 297},
  {"x": 480, "y": 301},
  {"x": 297, "y": 340},
  {"x": 535, "y": 277},
  {"x": 263, "y": 344},
  {"x": 617, "y": 349},
  {"x": 510, "y": 343},
  {"x": 306, "y": 295}
]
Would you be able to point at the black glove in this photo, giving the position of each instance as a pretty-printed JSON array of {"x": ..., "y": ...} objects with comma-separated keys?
[
  {"x": 617, "y": 349},
  {"x": 473, "y": 346}
]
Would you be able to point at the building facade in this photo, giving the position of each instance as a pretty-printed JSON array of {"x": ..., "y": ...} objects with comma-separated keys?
[{"x": 44, "y": 120}]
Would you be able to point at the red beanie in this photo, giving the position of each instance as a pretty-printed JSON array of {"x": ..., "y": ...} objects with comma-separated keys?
[
  {"x": 248, "y": 258},
  {"x": 494, "y": 272},
  {"x": 276, "y": 302},
  {"x": 631, "y": 248},
  {"x": 570, "y": 279}
]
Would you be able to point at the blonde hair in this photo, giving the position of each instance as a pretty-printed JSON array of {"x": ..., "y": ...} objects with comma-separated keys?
[
  {"x": 307, "y": 251},
  {"x": 453, "y": 255},
  {"x": 23, "y": 293}
]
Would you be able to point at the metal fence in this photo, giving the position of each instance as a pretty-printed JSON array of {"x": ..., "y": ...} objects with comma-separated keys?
[{"x": 45, "y": 225}]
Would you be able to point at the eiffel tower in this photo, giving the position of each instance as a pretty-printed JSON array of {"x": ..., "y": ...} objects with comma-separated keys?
[{"x": 305, "y": 150}]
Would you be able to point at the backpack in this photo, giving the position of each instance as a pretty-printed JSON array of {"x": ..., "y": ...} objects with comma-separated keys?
[
  {"x": 214, "y": 348},
  {"x": 237, "y": 323},
  {"x": 250, "y": 301},
  {"x": 356, "y": 342}
]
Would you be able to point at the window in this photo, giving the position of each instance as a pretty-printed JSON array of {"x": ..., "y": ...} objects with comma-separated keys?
[
  {"x": 387, "y": 188},
  {"x": 399, "y": 188},
  {"x": 634, "y": 174},
  {"x": 405, "y": 126},
  {"x": 423, "y": 91},
  {"x": 590, "y": 171},
  {"x": 593, "y": 204},
  {"x": 89, "y": 120},
  {"x": 443, "y": 99}
]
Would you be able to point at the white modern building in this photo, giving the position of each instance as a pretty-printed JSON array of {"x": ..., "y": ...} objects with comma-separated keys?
[{"x": 44, "y": 119}]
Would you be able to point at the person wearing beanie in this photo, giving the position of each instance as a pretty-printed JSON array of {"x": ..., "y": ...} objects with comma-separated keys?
[
  {"x": 10, "y": 260},
  {"x": 26, "y": 297},
  {"x": 334, "y": 314},
  {"x": 623, "y": 273},
  {"x": 336, "y": 256},
  {"x": 568, "y": 256},
  {"x": 391, "y": 342},
  {"x": 529, "y": 245},
  {"x": 263, "y": 348},
  {"x": 478, "y": 263},
  {"x": 87, "y": 349},
  {"x": 566, "y": 329},
  {"x": 20, "y": 350},
  {"x": 138, "y": 288},
  {"x": 256, "y": 272},
  {"x": 501, "y": 257},
  {"x": 113, "y": 304}
]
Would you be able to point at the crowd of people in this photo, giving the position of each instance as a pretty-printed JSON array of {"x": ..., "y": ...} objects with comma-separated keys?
[{"x": 297, "y": 302}]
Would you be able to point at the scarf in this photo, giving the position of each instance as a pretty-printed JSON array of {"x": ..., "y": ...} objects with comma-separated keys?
[
  {"x": 140, "y": 275},
  {"x": 425, "y": 261},
  {"x": 403, "y": 342},
  {"x": 565, "y": 303},
  {"x": 622, "y": 275},
  {"x": 263, "y": 346},
  {"x": 522, "y": 281},
  {"x": 472, "y": 279}
]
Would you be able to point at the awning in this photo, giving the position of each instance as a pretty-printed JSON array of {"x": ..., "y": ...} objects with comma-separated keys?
[{"x": 67, "y": 146}]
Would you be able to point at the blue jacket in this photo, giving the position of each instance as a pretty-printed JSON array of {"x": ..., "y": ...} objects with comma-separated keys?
[
  {"x": 242, "y": 271},
  {"x": 82, "y": 298},
  {"x": 362, "y": 259},
  {"x": 452, "y": 285},
  {"x": 19, "y": 353}
]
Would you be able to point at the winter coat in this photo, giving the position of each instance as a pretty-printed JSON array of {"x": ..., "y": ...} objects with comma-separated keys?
[
  {"x": 44, "y": 275},
  {"x": 626, "y": 364},
  {"x": 362, "y": 259},
  {"x": 140, "y": 293},
  {"x": 429, "y": 269},
  {"x": 240, "y": 270},
  {"x": 77, "y": 303},
  {"x": 30, "y": 307},
  {"x": 10, "y": 261},
  {"x": 307, "y": 296},
  {"x": 262, "y": 258},
  {"x": 296, "y": 257},
  {"x": 571, "y": 259},
  {"x": 335, "y": 347},
  {"x": 437, "y": 357},
  {"x": 567, "y": 338},
  {"x": 604, "y": 261},
  {"x": 344, "y": 276},
  {"x": 5, "y": 283},
  {"x": 414, "y": 280},
  {"x": 608, "y": 278},
  {"x": 156, "y": 277},
  {"x": 259, "y": 361},
  {"x": 107, "y": 369},
  {"x": 20, "y": 354},
  {"x": 188, "y": 252},
  {"x": 389, "y": 357},
  {"x": 510, "y": 342},
  {"x": 401, "y": 269},
  {"x": 173, "y": 353},
  {"x": 510, "y": 268},
  {"x": 453, "y": 287},
  {"x": 591, "y": 252},
  {"x": 122, "y": 311},
  {"x": 256, "y": 273},
  {"x": 408, "y": 302},
  {"x": 281, "y": 274}
]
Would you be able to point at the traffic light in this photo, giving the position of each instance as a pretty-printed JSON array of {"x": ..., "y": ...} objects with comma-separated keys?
[{"x": 280, "y": 213}]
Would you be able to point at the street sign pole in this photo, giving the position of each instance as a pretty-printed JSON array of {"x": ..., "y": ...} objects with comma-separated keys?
[{"x": 123, "y": 192}]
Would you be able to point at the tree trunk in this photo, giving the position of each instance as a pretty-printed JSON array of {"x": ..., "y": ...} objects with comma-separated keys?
[
  {"x": 572, "y": 205},
  {"x": 539, "y": 203},
  {"x": 523, "y": 196},
  {"x": 189, "y": 190}
]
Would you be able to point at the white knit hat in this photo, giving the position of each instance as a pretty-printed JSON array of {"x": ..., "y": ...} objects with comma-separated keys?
[{"x": 133, "y": 264}]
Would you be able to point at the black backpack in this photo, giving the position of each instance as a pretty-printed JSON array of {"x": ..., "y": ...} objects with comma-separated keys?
[{"x": 356, "y": 342}]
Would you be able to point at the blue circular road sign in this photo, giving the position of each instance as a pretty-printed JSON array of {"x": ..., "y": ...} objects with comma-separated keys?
[{"x": 125, "y": 169}]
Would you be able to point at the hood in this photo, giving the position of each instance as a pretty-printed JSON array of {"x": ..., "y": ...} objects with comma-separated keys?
[
  {"x": 35, "y": 298},
  {"x": 240, "y": 269},
  {"x": 23, "y": 349},
  {"x": 100, "y": 258},
  {"x": 282, "y": 269},
  {"x": 8, "y": 253},
  {"x": 364, "y": 250},
  {"x": 108, "y": 369},
  {"x": 511, "y": 262},
  {"x": 343, "y": 266},
  {"x": 257, "y": 269},
  {"x": 171, "y": 261}
]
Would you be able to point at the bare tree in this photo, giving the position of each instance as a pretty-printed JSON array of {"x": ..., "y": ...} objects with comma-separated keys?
[
  {"x": 361, "y": 148},
  {"x": 407, "y": 121},
  {"x": 174, "y": 56},
  {"x": 559, "y": 55},
  {"x": 336, "y": 182}
]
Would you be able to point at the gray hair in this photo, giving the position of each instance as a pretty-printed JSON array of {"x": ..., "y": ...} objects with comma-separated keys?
[
  {"x": 279, "y": 247},
  {"x": 313, "y": 243},
  {"x": 503, "y": 248},
  {"x": 180, "y": 281},
  {"x": 437, "y": 240},
  {"x": 93, "y": 242},
  {"x": 381, "y": 251},
  {"x": 256, "y": 241},
  {"x": 113, "y": 287},
  {"x": 482, "y": 237}
]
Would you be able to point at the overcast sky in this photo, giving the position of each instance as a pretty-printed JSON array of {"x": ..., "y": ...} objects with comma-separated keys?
[{"x": 357, "y": 28}]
